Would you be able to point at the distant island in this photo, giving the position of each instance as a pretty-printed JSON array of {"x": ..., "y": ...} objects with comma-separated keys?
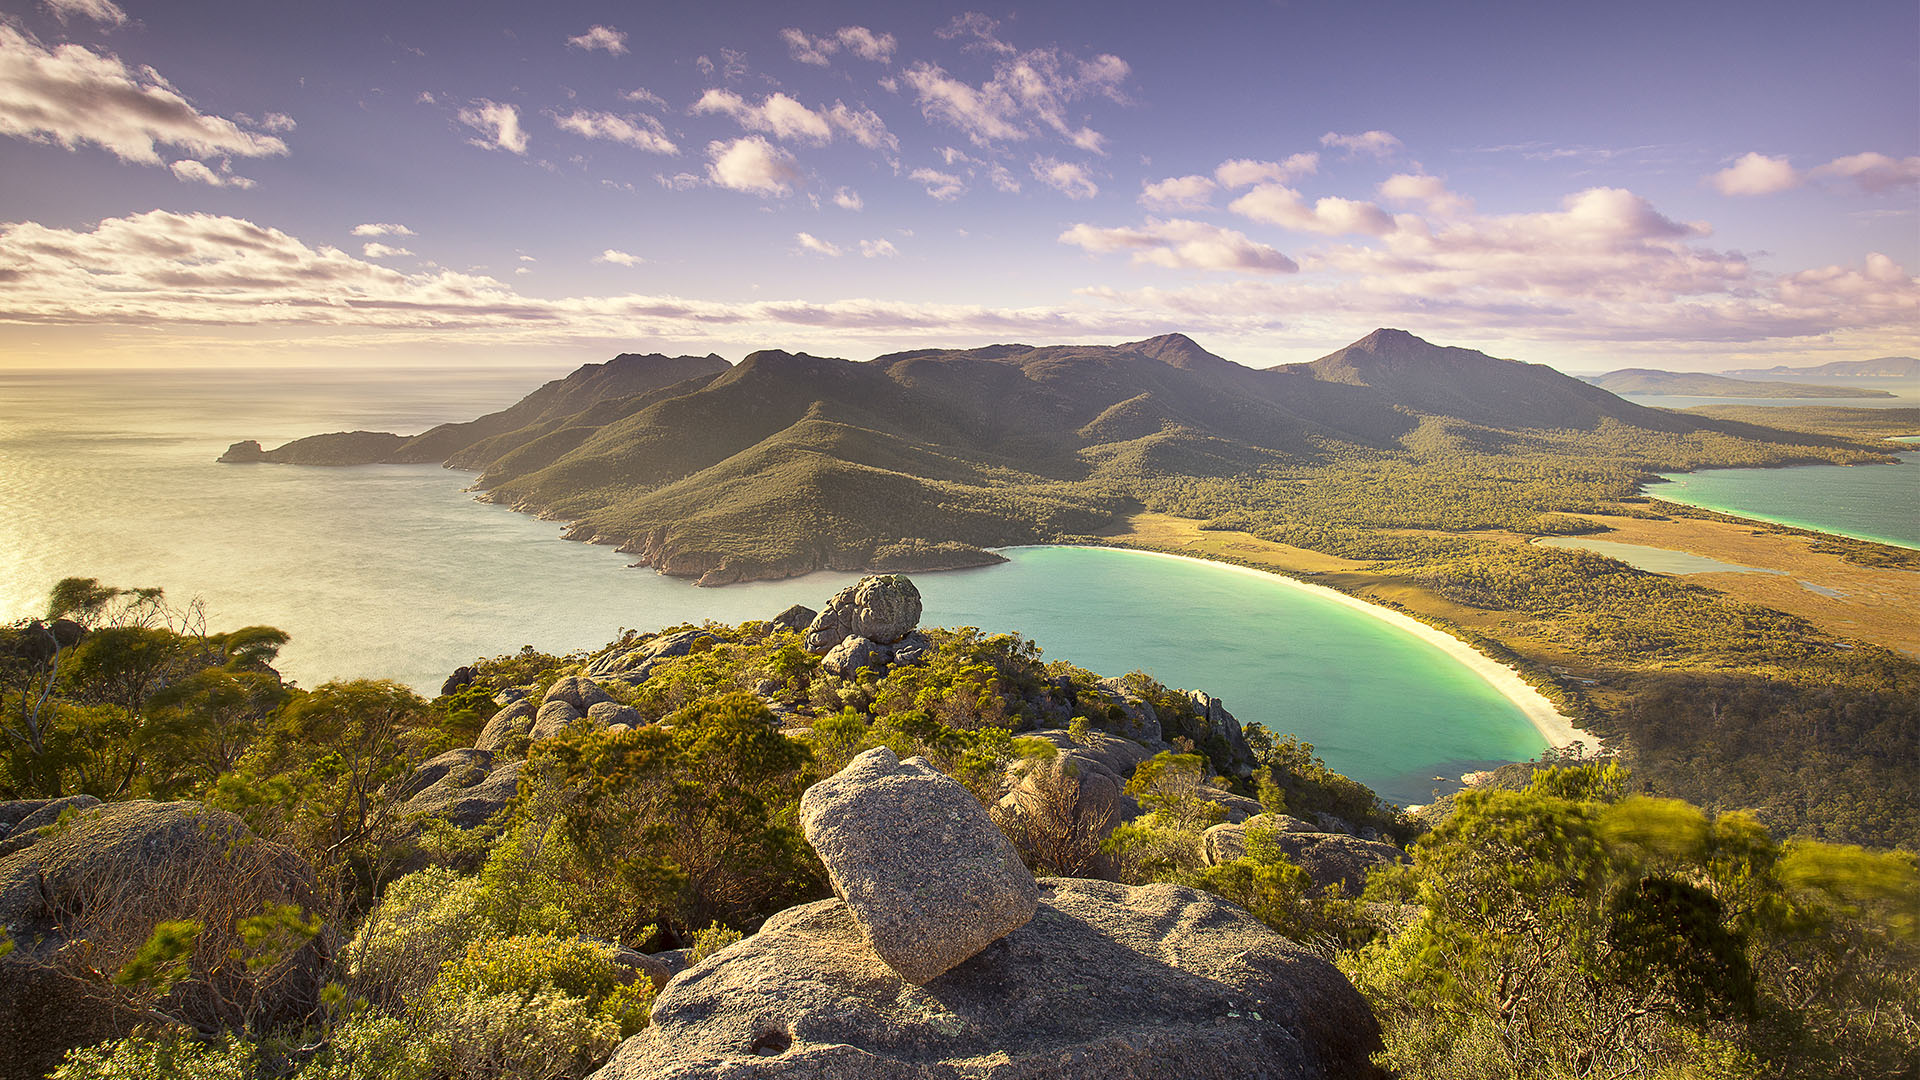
[
  {"x": 788, "y": 463},
  {"x": 1884, "y": 367},
  {"x": 1634, "y": 381}
]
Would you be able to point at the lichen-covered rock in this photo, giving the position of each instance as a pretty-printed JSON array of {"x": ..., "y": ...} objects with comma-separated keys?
[
  {"x": 108, "y": 877},
  {"x": 509, "y": 725},
  {"x": 929, "y": 877},
  {"x": 553, "y": 718},
  {"x": 1107, "y": 982},
  {"x": 912, "y": 648},
  {"x": 1219, "y": 734},
  {"x": 1335, "y": 858},
  {"x": 461, "y": 678},
  {"x": 578, "y": 691},
  {"x": 1227, "y": 841},
  {"x": 795, "y": 618},
  {"x": 465, "y": 797},
  {"x": 608, "y": 713},
  {"x": 882, "y": 608},
  {"x": 631, "y": 665},
  {"x": 853, "y": 654},
  {"x": 18, "y": 819},
  {"x": 430, "y": 772}
]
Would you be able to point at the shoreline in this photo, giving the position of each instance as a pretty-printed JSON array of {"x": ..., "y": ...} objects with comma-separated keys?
[{"x": 1555, "y": 727}]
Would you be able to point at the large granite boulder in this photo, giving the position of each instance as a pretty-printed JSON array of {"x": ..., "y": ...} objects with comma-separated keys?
[
  {"x": 925, "y": 872},
  {"x": 882, "y": 608},
  {"x": 461, "y": 678},
  {"x": 578, "y": 691},
  {"x": 854, "y": 654},
  {"x": 1330, "y": 859},
  {"x": 1129, "y": 715},
  {"x": 1218, "y": 734},
  {"x": 1227, "y": 841},
  {"x": 632, "y": 665},
  {"x": 80, "y": 900},
  {"x": 20, "y": 820},
  {"x": 510, "y": 725},
  {"x": 467, "y": 794},
  {"x": 1107, "y": 982},
  {"x": 608, "y": 713},
  {"x": 795, "y": 618},
  {"x": 553, "y": 718}
]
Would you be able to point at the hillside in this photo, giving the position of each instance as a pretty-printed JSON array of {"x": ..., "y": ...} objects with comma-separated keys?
[
  {"x": 1699, "y": 384},
  {"x": 787, "y": 463},
  {"x": 1883, "y": 367}
]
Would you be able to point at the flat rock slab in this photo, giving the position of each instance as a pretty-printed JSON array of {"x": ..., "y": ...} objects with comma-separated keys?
[
  {"x": 1107, "y": 982},
  {"x": 921, "y": 865}
]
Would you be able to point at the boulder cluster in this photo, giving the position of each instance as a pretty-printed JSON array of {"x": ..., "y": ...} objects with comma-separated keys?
[
  {"x": 873, "y": 623},
  {"x": 943, "y": 957}
]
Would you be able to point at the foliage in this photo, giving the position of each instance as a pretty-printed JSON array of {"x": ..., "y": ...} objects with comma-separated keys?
[{"x": 170, "y": 1053}]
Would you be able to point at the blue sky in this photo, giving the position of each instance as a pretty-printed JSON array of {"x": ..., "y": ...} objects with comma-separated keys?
[{"x": 1690, "y": 186}]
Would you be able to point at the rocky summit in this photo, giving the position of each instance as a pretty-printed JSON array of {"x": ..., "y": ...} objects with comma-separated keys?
[{"x": 1106, "y": 982}]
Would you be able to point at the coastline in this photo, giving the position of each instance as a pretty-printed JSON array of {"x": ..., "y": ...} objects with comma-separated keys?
[{"x": 1555, "y": 727}]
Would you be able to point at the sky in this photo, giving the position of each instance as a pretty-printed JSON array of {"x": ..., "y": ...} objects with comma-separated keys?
[{"x": 1694, "y": 186}]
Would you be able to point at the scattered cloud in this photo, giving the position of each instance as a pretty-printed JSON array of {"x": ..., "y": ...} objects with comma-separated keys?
[
  {"x": 640, "y": 131},
  {"x": 377, "y": 228},
  {"x": 1183, "y": 244},
  {"x": 1756, "y": 174},
  {"x": 1185, "y": 192},
  {"x": 1066, "y": 177},
  {"x": 499, "y": 124},
  {"x": 644, "y": 96},
  {"x": 378, "y": 250},
  {"x": 1030, "y": 92},
  {"x": 197, "y": 172},
  {"x": 848, "y": 199},
  {"x": 1874, "y": 172},
  {"x": 1246, "y": 172},
  {"x": 618, "y": 258},
  {"x": 810, "y": 242},
  {"x": 751, "y": 164},
  {"x": 604, "y": 38},
  {"x": 976, "y": 31},
  {"x": 1277, "y": 204},
  {"x": 1424, "y": 190},
  {"x": 100, "y": 11},
  {"x": 69, "y": 96},
  {"x": 1378, "y": 144},
  {"x": 858, "y": 40},
  {"x": 878, "y": 249},
  {"x": 787, "y": 119},
  {"x": 943, "y": 186}
]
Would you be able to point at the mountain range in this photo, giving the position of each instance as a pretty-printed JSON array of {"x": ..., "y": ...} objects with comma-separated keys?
[
  {"x": 787, "y": 463},
  {"x": 1884, "y": 367},
  {"x": 1700, "y": 384}
]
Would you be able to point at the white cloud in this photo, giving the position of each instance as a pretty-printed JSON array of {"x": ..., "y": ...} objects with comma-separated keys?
[
  {"x": 101, "y": 11},
  {"x": 810, "y": 242},
  {"x": 500, "y": 124},
  {"x": 848, "y": 199},
  {"x": 1029, "y": 93},
  {"x": 751, "y": 164},
  {"x": 858, "y": 40},
  {"x": 1428, "y": 191},
  {"x": 978, "y": 31},
  {"x": 1279, "y": 205},
  {"x": 605, "y": 38},
  {"x": 618, "y": 258},
  {"x": 1066, "y": 177},
  {"x": 943, "y": 186},
  {"x": 375, "y": 228},
  {"x": 1756, "y": 174},
  {"x": 69, "y": 95},
  {"x": 878, "y": 249},
  {"x": 1246, "y": 172},
  {"x": 642, "y": 132},
  {"x": 779, "y": 115},
  {"x": 197, "y": 172},
  {"x": 1183, "y": 244},
  {"x": 863, "y": 126},
  {"x": 1379, "y": 144},
  {"x": 378, "y": 250},
  {"x": 1187, "y": 192},
  {"x": 644, "y": 96},
  {"x": 1003, "y": 179},
  {"x": 1874, "y": 172}
]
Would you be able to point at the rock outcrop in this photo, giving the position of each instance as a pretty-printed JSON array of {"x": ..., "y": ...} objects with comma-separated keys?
[
  {"x": 1107, "y": 982},
  {"x": 512, "y": 724},
  {"x": 883, "y": 608},
  {"x": 108, "y": 877},
  {"x": 924, "y": 871},
  {"x": 632, "y": 664},
  {"x": 1330, "y": 859},
  {"x": 463, "y": 788}
]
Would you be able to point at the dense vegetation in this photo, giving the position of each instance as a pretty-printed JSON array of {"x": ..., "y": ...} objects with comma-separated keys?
[{"x": 1550, "y": 925}]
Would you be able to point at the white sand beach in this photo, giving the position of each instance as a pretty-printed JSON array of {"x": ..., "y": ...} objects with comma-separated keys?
[{"x": 1553, "y": 725}]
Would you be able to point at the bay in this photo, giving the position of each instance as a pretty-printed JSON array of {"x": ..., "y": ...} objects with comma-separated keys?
[
  {"x": 1869, "y": 502},
  {"x": 397, "y": 572}
]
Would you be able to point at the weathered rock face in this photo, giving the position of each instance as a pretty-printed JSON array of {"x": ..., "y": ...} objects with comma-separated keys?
[
  {"x": 853, "y": 654},
  {"x": 608, "y": 713},
  {"x": 108, "y": 877},
  {"x": 1137, "y": 720},
  {"x": 1227, "y": 841},
  {"x": 634, "y": 664},
  {"x": 883, "y": 608},
  {"x": 467, "y": 794},
  {"x": 1219, "y": 735},
  {"x": 1107, "y": 981},
  {"x": 927, "y": 875},
  {"x": 552, "y": 719},
  {"x": 1328, "y": 858},
  {"x": 461, "y": 678},
  {"x": 509, "y": 725},
  {"x": 577, "y": 691},
  {"x": 795, "y": 618},
  {"x": 1058, "y": 810}
]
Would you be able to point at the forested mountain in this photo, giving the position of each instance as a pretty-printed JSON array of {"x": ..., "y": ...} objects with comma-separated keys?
[
  {"x": 787, "y": 463},
  {"x": 1888, "y": 367},
  {"x": 1700, "y": 384}
]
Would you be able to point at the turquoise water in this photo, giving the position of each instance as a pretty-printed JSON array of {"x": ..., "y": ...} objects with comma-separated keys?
[
  {"x": 1871, "y": 502},
  {"x": 1658, "y": 560},
  {"x": 395, "y": 571}
]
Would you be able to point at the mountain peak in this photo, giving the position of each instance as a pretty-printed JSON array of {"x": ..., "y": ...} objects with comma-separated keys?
[
  {"x": 1389, "y": 340},
  {"x": 1175, "y": 350}
]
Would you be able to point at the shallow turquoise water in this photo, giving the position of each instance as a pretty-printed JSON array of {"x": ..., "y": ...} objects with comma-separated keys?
[
  {"x": 395, "y": 571},
  {"x": 1871, "y": 502}
]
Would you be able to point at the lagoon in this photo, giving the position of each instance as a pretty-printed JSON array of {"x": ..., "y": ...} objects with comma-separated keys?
[
  {"x": 395, "y": 571},
  {"x": 1869, "y": 502}
]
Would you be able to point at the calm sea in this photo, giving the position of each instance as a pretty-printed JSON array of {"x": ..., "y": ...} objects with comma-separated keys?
[{"x": 395, "y": 571}]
